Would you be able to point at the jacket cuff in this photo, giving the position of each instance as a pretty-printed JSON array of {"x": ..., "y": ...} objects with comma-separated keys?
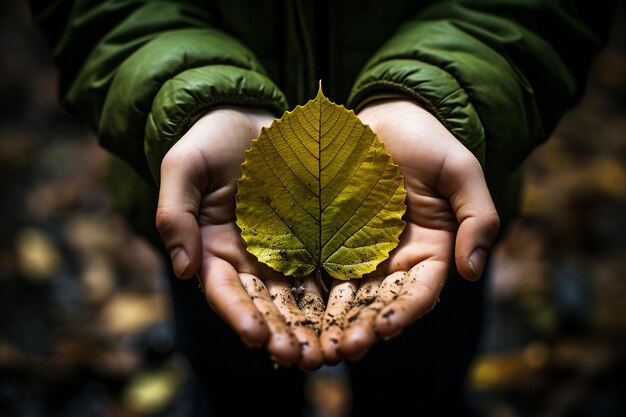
[
  {"x": 435, "y": 89},
  {"x": 182, "y": 100},
  {"x": 160, "y": 67}
]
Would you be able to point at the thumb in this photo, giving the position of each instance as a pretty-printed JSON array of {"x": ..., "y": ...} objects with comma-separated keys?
[
  {"x": 177, "y": 211},
  {"x": 478, "y": 220},
  {"x": 474, "y": 239}
]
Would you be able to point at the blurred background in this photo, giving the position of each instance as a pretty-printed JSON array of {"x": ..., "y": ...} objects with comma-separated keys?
[{"x": 85, "y": 326}]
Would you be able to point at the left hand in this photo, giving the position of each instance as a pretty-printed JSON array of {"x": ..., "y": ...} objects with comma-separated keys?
[
  {"x": 450, "y": 217},
  {"x": 196, "y": 219}
]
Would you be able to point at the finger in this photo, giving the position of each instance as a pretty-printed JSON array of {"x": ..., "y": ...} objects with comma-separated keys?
[
  {"x": 359, "y": 334},
  {"x": 282, "y": 345},
  {"x": 177, "y": 210},
  {"x": 474, "y": 239},
  {"x": 340, "y": 299},
  {"x": 226, "y": 294},
  {"x": 410, "y": 296},
  {"x": 476, "y": 213},
  {"x": 283, "y": 295},
  {"x": 311, "y": 303}
]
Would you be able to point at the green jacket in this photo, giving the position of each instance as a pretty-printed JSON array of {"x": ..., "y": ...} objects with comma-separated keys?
[{"x": 498, "y": 74}]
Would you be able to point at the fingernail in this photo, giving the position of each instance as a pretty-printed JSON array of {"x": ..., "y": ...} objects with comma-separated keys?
[
  {"x": 250, "y": 345},
  {"x": 476, "y": 262},
  {"x": 180, "y": 260},
  {"x": 393, "y": 335}
]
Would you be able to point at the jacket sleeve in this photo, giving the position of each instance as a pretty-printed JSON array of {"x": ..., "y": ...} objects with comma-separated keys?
[
  {"x": 498, "y": 74},
  {"x": 141, "y": 72}
]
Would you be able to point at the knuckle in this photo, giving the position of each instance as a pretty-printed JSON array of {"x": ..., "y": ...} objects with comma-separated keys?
[
  {"x": 165, "y": 219},
  {"x": 492, "y": 221},
  {"x": 462, "y": 164},
  {"x": 469, "y": 165},
  {"x": 173, "y": 159}
]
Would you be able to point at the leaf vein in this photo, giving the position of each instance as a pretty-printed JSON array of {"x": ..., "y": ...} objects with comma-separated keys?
[
  {"x": 354, "y": 172},
  {"x": 293, "y": 198},
  {"x": 357, "y": 209}
]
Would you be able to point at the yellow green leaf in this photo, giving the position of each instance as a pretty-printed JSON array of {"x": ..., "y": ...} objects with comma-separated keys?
[{"x": 318, "y": 191}]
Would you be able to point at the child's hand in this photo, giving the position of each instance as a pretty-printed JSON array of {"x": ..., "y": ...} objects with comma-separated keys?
[
  {"x": 450, "y": 217},
  {"x": 196, "y": 219}
]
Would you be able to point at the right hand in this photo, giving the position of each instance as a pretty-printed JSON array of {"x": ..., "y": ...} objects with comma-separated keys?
[
  {"x": 450, "y": 219},
  {"x": 196, "y": 219}
]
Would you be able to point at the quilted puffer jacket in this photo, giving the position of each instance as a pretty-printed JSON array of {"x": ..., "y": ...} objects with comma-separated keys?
[{"x": 498, "y": 74}]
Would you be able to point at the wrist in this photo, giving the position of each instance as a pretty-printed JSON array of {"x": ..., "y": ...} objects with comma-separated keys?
[{"x": 385, "y": 114}]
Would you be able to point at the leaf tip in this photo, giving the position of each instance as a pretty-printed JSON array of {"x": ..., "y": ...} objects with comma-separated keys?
[{"x": 320, "y": 93}]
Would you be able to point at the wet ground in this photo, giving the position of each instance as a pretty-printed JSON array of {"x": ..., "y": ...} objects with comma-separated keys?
[{"x": 84, "y": 320}]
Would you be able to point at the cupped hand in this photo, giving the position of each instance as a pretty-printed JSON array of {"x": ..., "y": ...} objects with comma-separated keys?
[
  {"x": 450, "y": 217},
  {"x": 196, "y": 219}
]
